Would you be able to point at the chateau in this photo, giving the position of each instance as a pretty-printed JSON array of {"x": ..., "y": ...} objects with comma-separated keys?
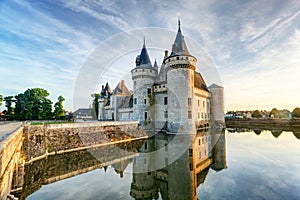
[{"x": 173, "y": 97}]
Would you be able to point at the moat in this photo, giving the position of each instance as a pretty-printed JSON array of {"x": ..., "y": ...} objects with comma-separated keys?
[{"x": 213, "y": 164}]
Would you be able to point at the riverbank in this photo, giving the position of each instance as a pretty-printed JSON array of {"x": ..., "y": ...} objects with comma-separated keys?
[
  {"x": 30, "y": 143},
  {"x": 282, "y": 124},
  {"x": 49, "y": 139}
]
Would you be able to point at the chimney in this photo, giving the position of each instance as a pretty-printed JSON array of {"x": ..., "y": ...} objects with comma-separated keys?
[
  {"x": 123, "y": 87},
  {"x": 166, "y": 53},
  {"x": 102, "y": 87}
]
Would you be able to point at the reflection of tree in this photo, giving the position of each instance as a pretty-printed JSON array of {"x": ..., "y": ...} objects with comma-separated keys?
[
  {"x": 257, "y": 131},
  {"x": 297, "y": 134},
  {"x": 276, "y": 133}
]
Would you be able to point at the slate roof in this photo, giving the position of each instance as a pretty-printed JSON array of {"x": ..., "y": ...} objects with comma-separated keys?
[
  {"x": 118, "y": 90},
  {"x": 199, "y": 81},
  {"x": 143, "y": 60},
  {"x": 179, "y": 47}
]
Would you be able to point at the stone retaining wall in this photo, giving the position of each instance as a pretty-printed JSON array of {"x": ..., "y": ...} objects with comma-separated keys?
[
  {"x": 41, "y": 140},
  {"x": 263, "y": 123}
]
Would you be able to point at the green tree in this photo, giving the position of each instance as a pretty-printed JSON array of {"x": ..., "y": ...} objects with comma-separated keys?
[
  {"x": 256, "y": 114},
  {"x": 95, "y": 105},
  {"x": 296, "y": 112},
  {"x": 59, "y": 112},
  {"x": 1, "y": 99},
  {"x": 8, "y": 103},
  {"x": 46, "y": 107},
  {"x": 274, "y": 112},
  {"x": 33, "y": 104}
]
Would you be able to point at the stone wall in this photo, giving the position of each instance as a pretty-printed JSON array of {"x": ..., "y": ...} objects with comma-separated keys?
[
  {"x": 10, "y": 158},
  {"x": 55, "y": 138},
  {"x": 284, "y": 124}
]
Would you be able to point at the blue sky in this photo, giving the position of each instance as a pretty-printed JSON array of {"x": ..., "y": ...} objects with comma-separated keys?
[{"x": 255, "y": 45}]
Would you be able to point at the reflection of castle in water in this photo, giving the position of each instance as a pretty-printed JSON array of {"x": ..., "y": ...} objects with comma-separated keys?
[
  {"x": 170, "y": 166},
  {"x": 179, "y": 177}
]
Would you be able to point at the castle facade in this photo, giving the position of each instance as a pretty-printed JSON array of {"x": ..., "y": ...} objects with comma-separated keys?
[{"x": 173, "y": 97}]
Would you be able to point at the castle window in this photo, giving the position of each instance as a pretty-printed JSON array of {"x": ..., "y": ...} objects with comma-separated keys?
[
  {"x": 159, "y": 86},
  {"x": 135, "y": 101},
  {"x": 145, "y": 101},
  {"x": 198, "y": 102},
  {"x": 148, "y": 91},
  {"x": 150, "y": 70},
  {"x": 198, "y": 115},
  {"x": 165, "y": 100},
  {"x": 146, "y": 146},
  {"x": 190, "y": 152},
  {"x": 166, "y": 114},
  {"x": 189, "y": 101},
  {"x": 202, "y": 115},
  {"x": 189, "y": 114},
  {"x": 146, "y": 115},
  {"x": 177, "y": 58},
  {"x": 169, "y": 59},
  {"x": 203, "y": 104}
]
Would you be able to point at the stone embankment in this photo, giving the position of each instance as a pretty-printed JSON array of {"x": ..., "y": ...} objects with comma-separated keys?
[
  {"x": 42, "y": 140},
  {"x": 283, "y": 124},
  {"x": 24, "y": 144}
]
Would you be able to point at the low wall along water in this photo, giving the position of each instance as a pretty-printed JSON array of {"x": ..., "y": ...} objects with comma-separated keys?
[{"x": 30, "y": 143}]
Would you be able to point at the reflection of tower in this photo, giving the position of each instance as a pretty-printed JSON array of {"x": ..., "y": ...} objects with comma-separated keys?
[
  {"x": 180, "y": 68},
  {"x": 143, "y": 184},
  {"x": 219, "y": 150},
  {"x": 179, "y": 179}
]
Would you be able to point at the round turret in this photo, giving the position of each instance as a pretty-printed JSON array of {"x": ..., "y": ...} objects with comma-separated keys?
[
  {"x": 180, "y": 68},
  {"x": 143, "y": 76}
]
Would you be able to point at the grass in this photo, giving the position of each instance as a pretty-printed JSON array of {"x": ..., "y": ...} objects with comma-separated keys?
[{"x": 59, "y": 122}]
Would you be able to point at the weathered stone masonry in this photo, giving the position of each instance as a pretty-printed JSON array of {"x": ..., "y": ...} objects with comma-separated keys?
[{"x": 57, "y": 138}]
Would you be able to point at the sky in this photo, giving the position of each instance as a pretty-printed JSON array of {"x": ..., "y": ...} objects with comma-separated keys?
[{"x": 253, "y": 45}]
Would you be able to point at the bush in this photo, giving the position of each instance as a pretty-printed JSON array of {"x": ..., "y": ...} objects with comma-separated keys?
[
  {"x": 296, "y": 112},
  {"x": 256, "y": 114}
]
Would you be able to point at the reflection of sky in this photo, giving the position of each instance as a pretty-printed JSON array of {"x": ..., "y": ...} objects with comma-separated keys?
[
  {"x": 96, "y": 184},
  {"x": 259, "y": 167}
]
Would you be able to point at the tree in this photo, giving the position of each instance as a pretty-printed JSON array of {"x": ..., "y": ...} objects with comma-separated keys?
[
  {"x": 8, "y": 103},
  {"x": 46, "y": 106},
  {"x": 256, "y": 114},
  {"x": 59, "y": 112},
  {"x": 1, "y": 99},
  {"x": 296, "y": 112},
  {"x": 33, "y": 104},
  {"x": 274, "y": 112},
  {"x": 95, "y": 105}
]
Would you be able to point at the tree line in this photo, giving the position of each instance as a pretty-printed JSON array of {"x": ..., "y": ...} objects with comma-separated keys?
[
  {"x": 33, "y": 104},
  {"x": 275, "y": 113}
]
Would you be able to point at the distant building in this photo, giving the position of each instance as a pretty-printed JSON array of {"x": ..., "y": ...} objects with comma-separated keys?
[
  {"x": 175, "y": 98},
  {"x": 83, "y": 114}
]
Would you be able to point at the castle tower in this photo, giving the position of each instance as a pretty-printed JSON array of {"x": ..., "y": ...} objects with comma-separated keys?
[
  {"x": 143, "y": 76},
  {"x": 217, "y": 105},
  {"x": 180, "y": 69}
]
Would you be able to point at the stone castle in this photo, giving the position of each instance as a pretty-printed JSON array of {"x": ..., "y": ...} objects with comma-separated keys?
[{"x": 173, "y": 97}]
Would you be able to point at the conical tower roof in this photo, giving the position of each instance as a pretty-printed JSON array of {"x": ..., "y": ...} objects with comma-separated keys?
[
  {"x": 143, "y": 58},
  {"x": 179, "y": 47}
]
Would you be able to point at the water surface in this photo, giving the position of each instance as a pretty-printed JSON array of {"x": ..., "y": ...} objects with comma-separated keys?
[{"x": 214, "y": 165}]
